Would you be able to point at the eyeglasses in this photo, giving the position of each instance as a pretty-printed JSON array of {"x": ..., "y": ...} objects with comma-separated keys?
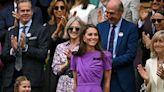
[
  {"x": 73, "y": 27},
  {"x": 59, "y": 7},
  {"x": 158, "y": 20}
]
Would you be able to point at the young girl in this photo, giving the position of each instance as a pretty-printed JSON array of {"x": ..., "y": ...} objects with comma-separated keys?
[{"x": 22, "y": 84}]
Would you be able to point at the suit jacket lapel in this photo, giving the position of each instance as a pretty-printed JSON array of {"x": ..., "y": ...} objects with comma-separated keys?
[
  {"x": 106, "y": 28},
  {"x": 32, "y": 28},
  {"x": 16, "y": 32}
]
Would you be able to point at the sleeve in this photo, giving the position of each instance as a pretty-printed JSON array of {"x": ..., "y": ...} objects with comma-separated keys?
[
  {"x": 58, "y": 60},
  {"x": 107, "y": 60},
  {"x": 148, "y": 86},
  {"x": 73, "y": 63}
]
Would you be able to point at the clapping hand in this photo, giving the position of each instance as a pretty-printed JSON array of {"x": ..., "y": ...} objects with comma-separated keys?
[
  {"x": 100, "y": 16},
  {"x": 14, "y": 43},
  {"x": 23, "y": 40},
  {"x": 68, "y": 53},
  {"x": 143, "y": 13},
  {"x": 160, "y": 71},
  {"x": 146, "y": 40},
  {"x": 143, "y": 73},
  {"x": 16, "y": 16}
]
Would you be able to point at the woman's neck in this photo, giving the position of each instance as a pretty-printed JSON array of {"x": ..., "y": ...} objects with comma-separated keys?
[
  {"x": 74, "y": 42},
  {"x": 89, "y": 48},
  {"x": 161, "y": 58}
]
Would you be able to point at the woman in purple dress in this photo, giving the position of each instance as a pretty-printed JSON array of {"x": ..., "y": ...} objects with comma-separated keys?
[{"x": 90, "y": 63}]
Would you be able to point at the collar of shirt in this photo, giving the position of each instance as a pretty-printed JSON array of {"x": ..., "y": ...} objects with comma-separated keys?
[
  {"x": 28, "y": 24},
  {"x": 118, "y": 24},
  {"x": 153, "y": 12}
]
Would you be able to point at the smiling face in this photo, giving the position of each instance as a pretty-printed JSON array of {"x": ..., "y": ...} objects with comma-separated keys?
[
  {"x": 74, "y": 30},
  {"x": 24, "y": 86},
  {"x": 159, "y": 46},
  {"x": 113, "y": 11},
  {"x": 59, "y": 9},
  {"x": 158, "y": 21},
  {"x": 156, "y": 4},
  {"x": 91, "y": 38},
  {"x": 25, "y": 12}
]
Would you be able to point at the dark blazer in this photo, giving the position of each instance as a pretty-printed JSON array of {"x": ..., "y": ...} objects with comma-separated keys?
[
  {"x": 7, "y": 20},
  {"x": 122, "y": 64},
  {"x": 43, "y": 3},
  {"x": 148, "y": 29},
  {"x": 51, "y": 80},
  {"x": 33, "y": 60}
]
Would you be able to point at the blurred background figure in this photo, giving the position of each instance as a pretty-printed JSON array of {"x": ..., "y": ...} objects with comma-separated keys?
[
  {"x": 131, "y": 12},
  {"x": 98, "y": 15},
  {"x": 58, "y": 12},
  {"x": 63, "y": 53},
  {"x": 81, "y": 8},
  {"x": 95, "y": 2},
  {"x": 153, "y": 73},
  {"x": 22, "y": 84}
]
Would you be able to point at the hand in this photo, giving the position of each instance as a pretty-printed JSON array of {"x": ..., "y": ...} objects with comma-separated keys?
[
  {"x": 58, "y": 30},
  {"x": 143, "y": 13},
  {"x": 61, "y": 23},
  {"x": 160, "y": 71},
  {"x": 14, "y": 43},
  {"x": 143, "y": 73},
  {"x": 23, "y": 40},
  {"x": 100, "y": 16},
  {"x": 68, "y": 53},
  {"x": 146, "y": 40},
  {"x": 15, "y": 15}
]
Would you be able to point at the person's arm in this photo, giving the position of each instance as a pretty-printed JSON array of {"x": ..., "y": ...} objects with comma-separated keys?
[
  {"x": 58, "y": 59},
  {"x": 143, "y": 73},
  {"x": 107, "y": 78},
  {"x": 75, "y": 81}
]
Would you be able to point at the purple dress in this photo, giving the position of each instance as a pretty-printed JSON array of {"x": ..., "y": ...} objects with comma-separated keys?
[{"x": 90, "y": 68}]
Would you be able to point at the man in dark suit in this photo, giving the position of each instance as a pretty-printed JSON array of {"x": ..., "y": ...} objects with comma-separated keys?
[
  {"x": 120, "y": 37},
  {"x": 7, "y": 19},
  {"x": 25, "y": 50}
]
